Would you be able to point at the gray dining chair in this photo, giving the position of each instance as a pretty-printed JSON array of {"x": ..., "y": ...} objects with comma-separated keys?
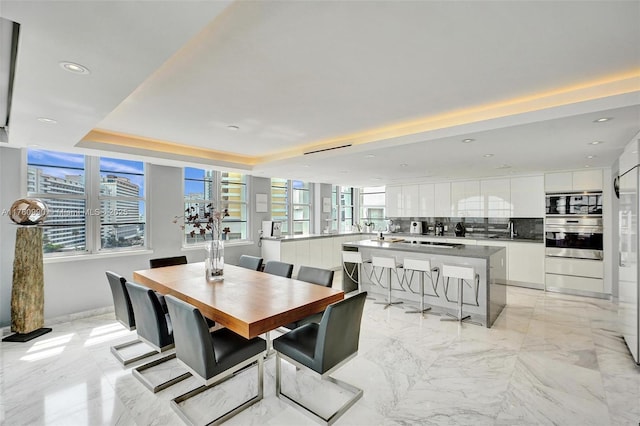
[
  {"x": 155, "y": 329},
  {"x": 250, "y": 262},
  {"x": 161, "y": 262},
  {"x": 211, "y": 357},
  {"x": 318, "y": 276},
  {"x": 275, "y": 267},
  {"x": 125, "y": 316},
  {"x": 323, "y": 348}
]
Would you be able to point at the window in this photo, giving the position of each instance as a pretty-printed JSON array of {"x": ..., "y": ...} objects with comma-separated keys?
[
  {"x": 291, "y": 196},
  {"x": 122, "y": 206},
  {"x": 342, "y": 208},
  {"x": 95, "y": 203},
  {"x": 280, "y": 202},
  {"x": 372, "y": 204},
  {"x": 208, "y": 190}
]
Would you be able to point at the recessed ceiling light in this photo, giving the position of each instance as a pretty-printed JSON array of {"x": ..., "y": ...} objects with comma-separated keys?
[
  {"x": 503, "y": 166},
  {"x": 467, "y": 140},
  {"x": 306, "y": 165},
  {"x": 403, "y": 165},
  {"x": 233, "y": 127},
  {"x": 603, "y": 119},
  {"x": 634, "y": 151},
  {"x": 369, "y": 156},
  {"x": 591, "y": 156},
  {"x": 595, "y": 143},
  {"x": 344, "y": 171},
  {"x": 587, "y": 166},
  {"x": 488, "y": 155},
  {"x": 377, "y": 178},
  {"x": 74, "y": 68},
  {"x": 47, "y": 120}
]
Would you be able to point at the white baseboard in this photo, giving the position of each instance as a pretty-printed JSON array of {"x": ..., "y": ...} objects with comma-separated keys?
[{"x": 4, "y": 331}]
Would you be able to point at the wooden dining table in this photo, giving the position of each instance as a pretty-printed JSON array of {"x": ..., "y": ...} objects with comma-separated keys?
[{"x": 247, "y": 302}]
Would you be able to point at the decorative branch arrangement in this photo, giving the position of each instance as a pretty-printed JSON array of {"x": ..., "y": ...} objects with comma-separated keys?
[{"x": 209, "y": 224}]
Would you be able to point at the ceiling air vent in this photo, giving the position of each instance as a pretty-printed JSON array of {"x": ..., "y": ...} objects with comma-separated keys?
[{"x": 327, "y": 149}]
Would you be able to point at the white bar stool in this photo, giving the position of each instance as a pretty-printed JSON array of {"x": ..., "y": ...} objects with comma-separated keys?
[
  {"x": 355, "y": 271},
  {"x": 461, "y": 273},
  {"x": 387, "y": 264},
  {"x": 423, "y": 267}
]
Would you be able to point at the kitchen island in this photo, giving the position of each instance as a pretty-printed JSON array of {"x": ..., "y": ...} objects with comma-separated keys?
[{"x": 483, "y": 300}]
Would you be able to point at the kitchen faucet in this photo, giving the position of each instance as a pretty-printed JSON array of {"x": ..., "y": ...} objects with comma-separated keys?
[{"x": 512, "y": 230}]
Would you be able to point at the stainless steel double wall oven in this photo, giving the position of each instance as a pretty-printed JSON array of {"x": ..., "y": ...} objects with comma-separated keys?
[{"x": 573, "y": 225}]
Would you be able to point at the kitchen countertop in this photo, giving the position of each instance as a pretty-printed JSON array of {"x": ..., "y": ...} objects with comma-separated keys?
[
  {"x": 479, "y": 252},
  {"x": 408, "y": 236},
  {"x": 405, "y": 235},
  {"x": 286, "y": 238}
]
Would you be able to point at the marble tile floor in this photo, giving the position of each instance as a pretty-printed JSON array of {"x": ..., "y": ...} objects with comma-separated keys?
[{"x": 550, "y": 359}]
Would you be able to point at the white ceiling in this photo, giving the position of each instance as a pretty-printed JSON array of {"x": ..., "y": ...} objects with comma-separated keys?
[{"x": 296, "y": 74}]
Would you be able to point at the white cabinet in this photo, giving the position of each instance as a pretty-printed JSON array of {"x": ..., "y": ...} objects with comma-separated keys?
[
  {"x": 579, "y": 275},
  {"x": 527, "y": 196},
  {"x": 427, "y": 200},
  {"x": 327, "y": 253},
  {"x": 526, "y": 263},
  {"x": 442, "y": 199},
  {"x": 303, "y": 257},
  {"x": 587, "y": 180},
  {"x": 558, "y": 182},
  {"x": 324, "y": 252},
  {"x": 410, "y": 201},
  {"x": 496, "y": 197},
  {"x": 287, "y": 252},
  {"x": 393, "y": 201},
  {"x": 402, "y": 200},
  {"x": 465, "y": 199},
  {"x": 582, "y": 180}
]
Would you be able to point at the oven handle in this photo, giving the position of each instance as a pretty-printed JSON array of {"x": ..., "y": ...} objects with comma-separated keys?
[{"x": 574, "y": 229}]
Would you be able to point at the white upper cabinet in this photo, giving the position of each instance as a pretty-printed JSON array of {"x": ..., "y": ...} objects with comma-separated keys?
[
  {"x": 587, "y": 180},
  {"x": 393, "y": 201},
  {"x": 583, "y": 180},
  {"x": 427, "y": 200},
  {"x": 466, "y": 200},
  {"x": 410, "y": 200},
  {"x": 527, "y": 196},
  {"x": 496, "y": 197},
  {"x": 493, "y": 198},
  {"x": 442, "y": 197},
  {"x": 558, "y": 182}
]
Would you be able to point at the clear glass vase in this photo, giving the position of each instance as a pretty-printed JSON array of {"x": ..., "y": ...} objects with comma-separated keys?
[{"x": 214, "y": 262}]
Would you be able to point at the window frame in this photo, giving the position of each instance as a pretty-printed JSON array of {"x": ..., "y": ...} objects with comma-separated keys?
[
  {"x": 100, "y": 198},
  {"x": 362, "y": 205},
  {"x": 337, "y": 208},
  {"x": 290, "y": 205},
  {"x": 92, "y": 203},
  {"x": 218, "y": 203}
]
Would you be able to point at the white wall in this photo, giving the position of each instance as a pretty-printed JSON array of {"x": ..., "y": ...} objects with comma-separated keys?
[
  {"x": 610, "y": 232},
  {"x": 321, "y": 190},
  {"x": 614, "y": 242},
  {"x": 10, "y": 167},
  {"x": 79, "y": 284}
]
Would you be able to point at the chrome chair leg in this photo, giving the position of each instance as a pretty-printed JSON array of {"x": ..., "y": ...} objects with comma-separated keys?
[
  {"x": 353, "y": 390},
  {"x": 115, "y": 350},
  {"x": 422, "y": 309},
  {"x": 175, "y": 403},
  {"x": 389, "y": 302},
  {"x": 137, "y": 373},
  {"x": 459, "y": 317}
]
